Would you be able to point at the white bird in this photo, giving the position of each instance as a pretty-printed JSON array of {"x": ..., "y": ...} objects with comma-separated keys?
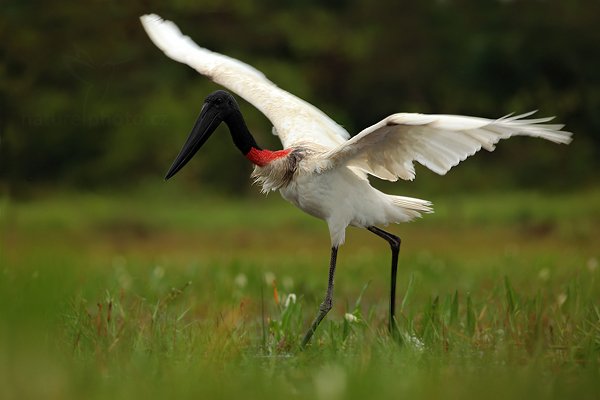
[{"x": 321, "y": 169}]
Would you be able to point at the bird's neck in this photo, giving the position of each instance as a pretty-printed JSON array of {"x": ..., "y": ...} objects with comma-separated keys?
[{"x": 244, "y": 141}]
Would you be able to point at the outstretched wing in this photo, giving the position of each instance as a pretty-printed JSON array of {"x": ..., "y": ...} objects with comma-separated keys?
[
  {"x": 439, "y": 142},
  {"x": 294, "y": 119}
]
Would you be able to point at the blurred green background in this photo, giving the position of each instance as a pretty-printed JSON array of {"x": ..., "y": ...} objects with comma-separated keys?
[
  {"x": 88, "y": 102},
  {"x": 115, "y": 284}
]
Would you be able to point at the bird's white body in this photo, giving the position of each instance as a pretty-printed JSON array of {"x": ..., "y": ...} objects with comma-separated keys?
[
  {"x": 342, "y": 199},
  {"x": 329, "y": 178},
  {"x": 341, "y": 196}
]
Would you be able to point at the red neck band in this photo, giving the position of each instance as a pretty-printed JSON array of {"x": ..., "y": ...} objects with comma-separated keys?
[{"x": 263, "y": 157}]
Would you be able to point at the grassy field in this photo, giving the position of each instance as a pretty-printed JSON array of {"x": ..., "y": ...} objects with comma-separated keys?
[{"x": 145, "y": 296}]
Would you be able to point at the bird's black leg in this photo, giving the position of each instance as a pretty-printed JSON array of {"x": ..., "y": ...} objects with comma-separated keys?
[
  {"x": 327, "y": 302},
  {"x": 394, "y": 242}
]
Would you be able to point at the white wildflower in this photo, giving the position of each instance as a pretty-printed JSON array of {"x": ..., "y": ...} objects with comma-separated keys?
[
  {"x": 350, "y": 317},
  {"x": 416, "y": 343},
  {"x": 290, "y": 299},
  {"x": 240, "y": 280}
]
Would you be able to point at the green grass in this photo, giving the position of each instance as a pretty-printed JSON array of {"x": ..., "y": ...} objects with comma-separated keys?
[{"x": 135, "y": 296}]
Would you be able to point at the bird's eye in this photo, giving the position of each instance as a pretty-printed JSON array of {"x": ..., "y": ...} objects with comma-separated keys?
[{"x": 219, "y": 100}]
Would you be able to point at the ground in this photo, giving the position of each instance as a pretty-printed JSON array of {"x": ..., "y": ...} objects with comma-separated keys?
[{"x": 132, "y": 295}]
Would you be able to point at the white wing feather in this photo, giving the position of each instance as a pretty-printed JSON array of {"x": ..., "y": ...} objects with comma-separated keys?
[
  {"x": 294, "y": 119},
  {"x": 439, "y": 142}
]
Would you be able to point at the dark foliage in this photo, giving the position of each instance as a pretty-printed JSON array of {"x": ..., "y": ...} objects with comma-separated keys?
[{"x": 86, "y": 100}]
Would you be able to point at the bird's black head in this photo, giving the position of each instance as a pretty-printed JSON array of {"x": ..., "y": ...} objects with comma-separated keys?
[
  {"x": 218, "y": 107},
  {"x": 222, "y": 102}
]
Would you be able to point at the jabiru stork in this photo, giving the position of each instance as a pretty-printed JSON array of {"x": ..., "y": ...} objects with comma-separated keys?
[{"x": 321, "y": 169}]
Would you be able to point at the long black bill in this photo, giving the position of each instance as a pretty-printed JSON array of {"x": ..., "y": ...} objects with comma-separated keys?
[{"x": 205, "y": 125}]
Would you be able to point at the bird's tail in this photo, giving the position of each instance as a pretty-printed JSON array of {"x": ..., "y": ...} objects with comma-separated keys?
[{"x": 411, "y": 208}]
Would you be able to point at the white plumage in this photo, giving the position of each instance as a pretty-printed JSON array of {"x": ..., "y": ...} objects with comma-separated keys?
[
  {"x": 386, "y": 150},
  {"x": 328, "y": 174},
  {"x": 294, "y": 119},
  {"x": 439, "y": 142}
]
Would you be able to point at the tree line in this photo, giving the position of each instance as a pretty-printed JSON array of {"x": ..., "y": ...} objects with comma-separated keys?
[{"x": 87, "y": 101}]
